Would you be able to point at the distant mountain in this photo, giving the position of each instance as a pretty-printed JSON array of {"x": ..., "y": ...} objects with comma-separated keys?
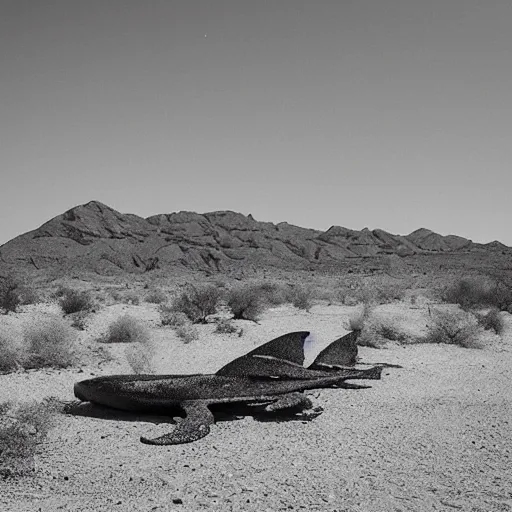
[{"x": 94, "y": 237}]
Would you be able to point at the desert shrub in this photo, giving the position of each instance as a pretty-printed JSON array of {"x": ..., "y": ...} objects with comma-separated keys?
[
  {"x": 386, "y": 329},
  {"x": 375, "y": 331},
  {"x": 301, "y": 297},
  {"x": 390, "y": 292},
  {"x": 170, "y": 317},
  {"x": 28, "y": 295},
  {"x": 72, "y": 301},
  {"x": 10, "y": 297},
  {"x": 130, "y": 297},
  {"x": 341, "y": 294},
  {"x": 156, "y": 296},
  {"x": 126, "y": 329},
  {"x": 140, "y": 357},
  {"x": 501, "y": 296},
  {"x": 245, "y": 302},
  {"x": 467, "y": 293},
  {"x": 454, "y": 328},
  {"x": 79, "y": 320},
  {"x": 50, "y": 342},
  {"x": 225, "y": 326},
  {"x": 357, "y": 320},
  {"x": 11, "y": 351},
  {"x": 187, "y": 332},
  {"x": 492, "y": 321},
  {"x": 366, "y": 294},
  {"x": 472, "y": 292},
  {"x": 198, "y": 303},
  {"x": 125, "y": 297},
  {"x": 23, "y": 428},
  {"x": 274, "y": 294}
]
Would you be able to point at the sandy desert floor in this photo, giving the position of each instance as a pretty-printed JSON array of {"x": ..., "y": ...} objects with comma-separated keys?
[{"x": 433, "y": 436}]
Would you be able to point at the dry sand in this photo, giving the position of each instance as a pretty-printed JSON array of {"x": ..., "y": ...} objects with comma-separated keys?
[{"x": 432, "y": 436}]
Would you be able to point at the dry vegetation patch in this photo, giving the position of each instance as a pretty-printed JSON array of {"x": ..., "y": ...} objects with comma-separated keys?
[
  {"x": 50, "y": 342},
  {"x": 11, "y": 350},
  {"x": 198, "y": 303},
  {"x": 10, "y": 296},
  {"x": 301, "y": 297},
  {"x": 23, "y": 429},
  {"x": 156, "y": 296},
  {"x": 225, "y": 326},
  {"x": 126, "y": 329},
  {"x": 454, "y": 327},
  {"x": 73, "y": 301},
  {"x": 474, "y": 292},
  {"x": 246, "y": 302}
]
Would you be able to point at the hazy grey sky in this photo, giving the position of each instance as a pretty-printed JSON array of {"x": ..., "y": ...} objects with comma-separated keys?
[{"x": 394, "y": 114}]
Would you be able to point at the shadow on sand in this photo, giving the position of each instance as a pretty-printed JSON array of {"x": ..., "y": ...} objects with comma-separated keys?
[{"x": 224, "y": 412}]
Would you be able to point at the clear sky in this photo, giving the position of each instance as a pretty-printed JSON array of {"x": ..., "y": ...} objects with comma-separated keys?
[{"x": 392, "y": 114}]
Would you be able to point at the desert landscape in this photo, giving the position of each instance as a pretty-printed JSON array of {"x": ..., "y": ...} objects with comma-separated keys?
[
  {"x": 432, "y": 434},
  {"x": 255, "y": 256}
]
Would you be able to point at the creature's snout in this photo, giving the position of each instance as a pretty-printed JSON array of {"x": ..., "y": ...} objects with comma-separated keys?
[{"x": 79, "y": 391}]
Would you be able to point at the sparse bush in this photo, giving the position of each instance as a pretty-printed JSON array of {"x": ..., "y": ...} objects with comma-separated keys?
[
  {"x": 301, "y": 297},
  {"x": 126, "y": 329},
  {"x": 140, "y": 357},
  {"x": 198, "y": 303},
  {"x": 130, "y": 297},
  {"x": 387, "y": 330},
  {"x": 245, "y": 302},
  {"x": 374, "y": 331},
  {"x": 11, "y": 351},
  {"x": 23, "y": 428},
  {"x": 50, "y": 342},
  {"x": 366, "y": 294},
  {"x": 187, "y": 332},
  {"x": 225, "y": 326},
  {"x": 454, "y": 328},
  {"x": 357, "y": 321},
  {"x": 390, "y": 293},
  {"x": 492, "y": 321},
  {"x": 501, "y": 296},
  {"x": 125, "y": 297},
  {"x": 10, "y": 297},
  {"x": 273, "y": 294},
  {"x": 79, "y": 320},
  {"x": 467, "y": 293},
  {"x": 471, "y": 293},
  {"x": 73, "y": 301},
  {"x": 377, "y": 331},
  {"x": 28, "y": 295},
  {"x": 172, "y": 318},
  {"x": 156, "y": 297}
]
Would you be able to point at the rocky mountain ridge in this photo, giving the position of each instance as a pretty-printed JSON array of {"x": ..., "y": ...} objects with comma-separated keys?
[{"x": 95, "y": 237}]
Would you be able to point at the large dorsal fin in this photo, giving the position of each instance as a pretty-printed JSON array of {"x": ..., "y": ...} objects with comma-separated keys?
[
  {"x": 341, "y": 352},
  {"x": 281, "y": 356}
]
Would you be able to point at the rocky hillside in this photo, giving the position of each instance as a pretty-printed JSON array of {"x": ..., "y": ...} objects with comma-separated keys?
[{"x": 94, "y": 237}]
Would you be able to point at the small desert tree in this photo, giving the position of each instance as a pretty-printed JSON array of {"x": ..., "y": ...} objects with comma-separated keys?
[
  {"x": 198, "y": 303},
  {"x": 245, "y": 302}
]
